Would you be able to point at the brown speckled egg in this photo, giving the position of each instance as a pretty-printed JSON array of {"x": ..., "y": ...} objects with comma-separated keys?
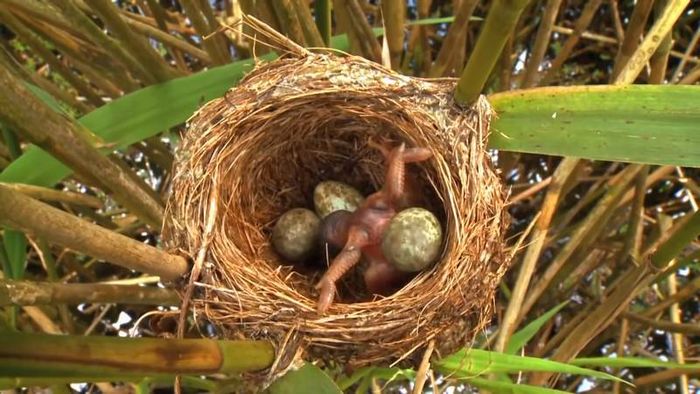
[
  {"x": 331, "y": 196},
  {"x": 295, "y": 235},
  {"x": 413, "y": 240}
]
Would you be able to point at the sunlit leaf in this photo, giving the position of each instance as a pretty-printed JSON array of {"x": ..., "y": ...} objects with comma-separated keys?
[
  {"x": 521, "y": 338},
  {"x": 307, "y": 379},
  {"x": 654, "y": 124}
]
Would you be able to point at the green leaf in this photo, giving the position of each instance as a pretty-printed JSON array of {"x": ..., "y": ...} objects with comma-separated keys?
[
  {"x": 510, "y": 388},
  {"x": 654, "y": 124},
  {"x": 307, "y": 379},
  {"x": 470, "y": 363},
  {"x": 627, "y": 362},
  {"x": 437, "y": 21},
  {"x": 522, "y": 337},
  {"x": 16, "y": 250},
  {"x": 366, "y": 374}
]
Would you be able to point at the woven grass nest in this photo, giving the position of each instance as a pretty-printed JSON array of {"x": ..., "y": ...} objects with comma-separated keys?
[{"x": 261, "y": 149}]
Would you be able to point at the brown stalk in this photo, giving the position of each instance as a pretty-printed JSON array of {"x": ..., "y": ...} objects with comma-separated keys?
[
  {"x": 23, "y": 213},
  {"x": 583, "y": 233},
  {"x": 544, "y": 32},
  {"x": 368, "y": 43},
  {"x": 665, "y": 325},
  {"x": 580, "y": 26},
  {"x": 663, "y": 25},
  {"x": 211, "y": 44},
  {"x": 686, "y": 292},
  {"x": 394, "y": 12},
  {"x": 632, "y": 35},
  {"x": 31, "y": 39},
  {"x": 24, "y": 293},
  {"x": 81, "y": 22},
  {"x": 549, "y": 206},
  {"x": 311, "y": 34},
  {"x": 661, "y": 377},
  {"x": 454, "y": 37},
  {"x": 289, "y": 20},
  {"x": 617, "y": 22},
  {"x": 345, "y": 25},
  {"x": 659, "y": 60},
  {"x": 45, "y": 84},
  {"x": 137, "y": 46},
  {"x": 158, "y": 13},
  {"x": 175, "y": 44},
  {"x": 46, "y": 194},
  {"x": 66, "y": 140}
]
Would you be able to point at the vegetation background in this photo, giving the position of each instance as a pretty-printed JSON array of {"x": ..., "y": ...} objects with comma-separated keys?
[{"x": 94, "y": 99}]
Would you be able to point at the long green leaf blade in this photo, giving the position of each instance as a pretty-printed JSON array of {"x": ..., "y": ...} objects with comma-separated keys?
[
  {"x": 522, "y": 337},
  {"x": 652, "y": 124},
  {"x": 469, "y": 363},
  {"x": 307, "y": 379}
]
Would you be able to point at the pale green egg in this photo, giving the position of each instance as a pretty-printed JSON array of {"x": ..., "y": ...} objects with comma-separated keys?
[
  {"x": 331, "y": 196},
  {"x": 295, "y": 235},
  {"x": 413, "y": 240}
]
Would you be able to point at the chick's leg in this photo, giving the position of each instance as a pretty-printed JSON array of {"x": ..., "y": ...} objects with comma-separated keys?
[{"x": 348, "y": 257}]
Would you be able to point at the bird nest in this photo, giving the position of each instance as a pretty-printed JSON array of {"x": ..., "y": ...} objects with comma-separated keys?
[{"x": 260, "y": 150}]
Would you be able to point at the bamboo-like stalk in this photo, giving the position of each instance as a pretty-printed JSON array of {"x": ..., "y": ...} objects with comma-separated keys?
[
  {"x": 31, "y": 355},
  {"x": 368, "y": 43},
  {"x": 539, "y": 49},
  {"x": 200, "y": 24},
  {"x": 499, "y": 25},
  {"x": 35, "y": 43},
  {"x": 324, "y": 22},
  {"x": 394, "y": 12},
  {"x": 659, "y": 60},
  {"x": 46, "y": 194},
  {"x": 652, "y": 40},
  {"x": 311, "y": 34},
  {"x": 65, "y": 139},
  {"x": 24, "y": 213},
  {"x": 454, "y": 36},
  {"x": 24, "y": 293},
  {"x": 220, "y": 39},
  {"x": 594, "y": 220},
  {"x": 138, "y": 46},
  {"x": 159, "y": 16},
  {"x": 686, "y": 55},
  {"x": 289, "y": 20},
  {"x": 580, "y": 26},
  {"x": 76, "y": 17},
  {"x": 634, "y": 31},
  {"x": 669, "y": 246},
  {"x": 169, "y": 40},
  {"x": 527, "y": 268},
  {"x": 678, "y": 329},
  {"x": 345, "y": 25}
]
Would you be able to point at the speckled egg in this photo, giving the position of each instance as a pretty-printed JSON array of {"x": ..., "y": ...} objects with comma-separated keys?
[
  {"x": 331, "y": 196},
  {"x": 295, "y": 235},
  {"x": 413, "y": 240}
]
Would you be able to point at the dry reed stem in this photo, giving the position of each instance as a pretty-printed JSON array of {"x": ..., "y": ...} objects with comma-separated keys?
[{"x": 305, "y": 118}]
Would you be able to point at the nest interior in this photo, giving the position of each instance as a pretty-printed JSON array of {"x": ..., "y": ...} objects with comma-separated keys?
[{"x": 261, "y": 149}]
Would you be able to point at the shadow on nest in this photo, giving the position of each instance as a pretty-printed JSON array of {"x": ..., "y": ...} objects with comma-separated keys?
[{"x": 261, "y": 149}]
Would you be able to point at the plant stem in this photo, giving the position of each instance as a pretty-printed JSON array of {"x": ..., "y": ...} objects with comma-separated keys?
[
  {"x": 69, "y": 142},
  {"x": 33, "y": 355},
  {"x": 499, "y": 24},
  {"x": 394, "y": 12},
  {"x": 25, "y": 293},
  {"x": 652, "y": 40},
  {"x": 24, "y": 213},
  {"x": 544, "y": 32},
  {"x": 324, "y": 22},
  {"x": 46, "y": 194}
]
